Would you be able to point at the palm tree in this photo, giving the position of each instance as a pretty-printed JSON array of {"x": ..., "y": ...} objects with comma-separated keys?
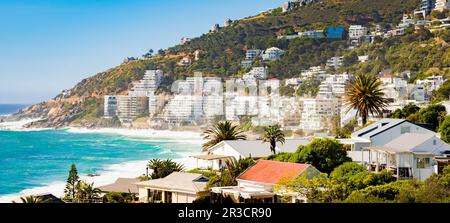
[
  {"x": 228, "y": 175},
  {"x": 364, "y": 94},
  {"x": 273, "y": 134},
  {"x": 31, "y": 200},
  {"x": 163, "y": 168},
  {"x": 87, "y": 191},
  {"x": 222, "y": 131}
]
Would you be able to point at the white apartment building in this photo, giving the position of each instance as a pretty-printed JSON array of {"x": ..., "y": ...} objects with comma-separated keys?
[
  {"x": 333, "y": 86},
  {"x": 252, "y": 54},
  {"x": 293, "y": 81},
  {"x": 256, "y": 73},
  {"x": 183, "y": 108},
  {"x": 241, "y": 106},
  {"x": 148, "y": 85},
  {"x": 417, "y": 92},
  {"x": 317, "y": 112},
  {"x": 442, "y": 5},
  {"x": 130, "y": 107},
  {"x": 316, "y": 73},
  {"x": 357, "y": 31},
  {"x": 272, "y": 53},
  {"x": 407, "y": 21},
  {"x": 110, "y": 106},
  {"x": 290, "y": 111},
  {"x": 147, "y": 88},
  {"x": 335, "y": 62},
  {"x": 431, "y": 83}
]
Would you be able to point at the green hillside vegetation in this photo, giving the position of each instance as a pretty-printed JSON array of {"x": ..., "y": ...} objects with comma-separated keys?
[
  {"x": 421, "y": 52},
  {"x": 223, "y": 51}
]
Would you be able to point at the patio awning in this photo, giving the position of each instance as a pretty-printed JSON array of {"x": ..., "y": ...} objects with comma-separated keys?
[{"x": 211, "y": 157}]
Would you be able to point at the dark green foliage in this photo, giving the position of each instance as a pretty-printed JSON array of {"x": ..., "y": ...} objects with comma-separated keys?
[
  {"x": 309, "y": 88},
  {"x": 444, "y": 129},
  {"x": 347, "y": 130},
  {"x": 163, "y": 168},
  {"x": 406, "y": 111},
  {"x": 228, "y": 175},
  {"x": 364, "y": 94},
  {"x": 118, "y": 197},
  {"x": 324, "y": 154},
  {"x": 443, "y": 93},
  {"x": 221, "y": 131},
  {"x": 431, "y": 115},
  {"x": 72, "y": 182},
  {"x": 273, "y": 134}
]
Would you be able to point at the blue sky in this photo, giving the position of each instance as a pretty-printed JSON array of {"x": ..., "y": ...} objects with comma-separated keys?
[{"x": 49, "y": 45}]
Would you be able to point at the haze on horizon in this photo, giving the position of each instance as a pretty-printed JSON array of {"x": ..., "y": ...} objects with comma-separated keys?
[{"x": 51, "y": 45}]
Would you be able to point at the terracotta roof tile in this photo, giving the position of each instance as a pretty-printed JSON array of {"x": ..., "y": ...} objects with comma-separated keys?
[{"x": 266, "y": 171}]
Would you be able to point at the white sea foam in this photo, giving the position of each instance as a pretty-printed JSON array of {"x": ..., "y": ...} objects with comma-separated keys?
[
  {"x": 109, "y": 175},
  {"x": 112, "y": 172},
  {"x": 19, "y": 125},
  {"x": 142, "y": 134}
]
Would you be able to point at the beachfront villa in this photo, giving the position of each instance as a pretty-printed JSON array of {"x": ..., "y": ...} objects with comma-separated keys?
[
  {"x": 178, "y": 187},
  {"x": 261, "y": 183},
  {"x": 216, "y": 156},
  {"x": 408, "y": 156},
  {"x": 381, "y": 133}
]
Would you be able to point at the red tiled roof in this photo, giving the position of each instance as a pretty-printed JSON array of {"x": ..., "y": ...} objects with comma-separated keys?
[{"x": 266, "y": 171}]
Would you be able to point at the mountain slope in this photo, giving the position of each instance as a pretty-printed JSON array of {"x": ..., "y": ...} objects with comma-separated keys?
[{"x": 222, "y": 53}]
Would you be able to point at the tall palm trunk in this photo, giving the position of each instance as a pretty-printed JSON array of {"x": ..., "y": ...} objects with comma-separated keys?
[{"x": 273, "y": 145}]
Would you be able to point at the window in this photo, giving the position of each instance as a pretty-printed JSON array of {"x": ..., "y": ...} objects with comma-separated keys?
[
  {"x": 423, "y": 163},
  {"x": 405, "y": 129}
]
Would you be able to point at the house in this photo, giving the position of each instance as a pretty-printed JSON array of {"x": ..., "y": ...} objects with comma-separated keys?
[
  {"x": 261, "y": 183},
  {"x": 442, "y": 5},
  {"x": 384, "y": 131},
  {"x": 357, "y": 31},
  {"x": 49, "y": 199},
  {"x": 122, "y": 185},
  {"x": 178, "y": 187},
  {"x": 408, "y": 156},
  {"x": 379, "y": 134},
  {"x": 272, "y": 53},
  {"x": 313, "y": 34},
  {"x": 186, "y": 61},
  {"x": 240, "y": 149}
]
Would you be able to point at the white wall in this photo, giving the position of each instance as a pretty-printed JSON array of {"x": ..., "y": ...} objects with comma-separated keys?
[{"x": 226, "y": 150}]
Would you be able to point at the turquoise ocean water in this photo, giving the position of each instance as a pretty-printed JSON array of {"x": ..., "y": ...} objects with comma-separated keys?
[
  {"x": 8, "y": 109},
  {"x": 30, "y": 159}
]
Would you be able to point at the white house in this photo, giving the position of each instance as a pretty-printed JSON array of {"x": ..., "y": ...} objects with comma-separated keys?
[
  {"x": 261, "y": 183},
  {"x": 408, "y": 156},
  {"x": 384, "y": 131},
  {"x": 240, "y": 149},
  {"x": 272, "y": 53}
]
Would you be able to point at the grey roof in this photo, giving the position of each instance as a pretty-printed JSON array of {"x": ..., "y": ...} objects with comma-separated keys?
[
  {"x": 377, "y": 127},
  {"x": 178, "y": 181},
  {"x": 258, "y": 149},
  {"x": 123, "y": 185},
  {"x": 414, "y": 142}
]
